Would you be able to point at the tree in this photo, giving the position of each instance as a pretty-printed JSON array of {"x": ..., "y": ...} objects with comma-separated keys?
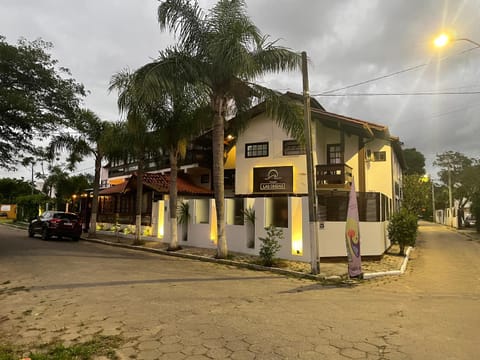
[
  {"x": 178, "y": 114},
  {"x": 222, "y": 51},
  {"x": 415, "y": 161},
  {"x": 10, "y": 189},
  {"x": 137, "y": 131},
  {"x": 92, "y": 139},
  {"x": 36, "y": 96},
  {"x": 417, "y": 194},
  {"x": 178, "y": 118},
  {"x": 459, "y": 172},
  {"x": 402, "y": 229}
]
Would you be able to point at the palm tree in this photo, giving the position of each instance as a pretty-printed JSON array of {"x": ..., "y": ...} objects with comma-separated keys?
[
  {"x": 178, "y": 119},
  {"x": 138, "y": 131},
  {"x": 90, "y": 140},
  {"x": 174, "y": 117},
  {"x": 223, "y": 51}
]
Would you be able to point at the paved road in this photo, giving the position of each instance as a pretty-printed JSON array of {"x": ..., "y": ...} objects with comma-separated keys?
[{"x": 169, "y": 308}]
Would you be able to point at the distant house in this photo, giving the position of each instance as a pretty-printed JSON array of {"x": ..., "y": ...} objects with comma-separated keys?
[{"x": 265, "y": 170}]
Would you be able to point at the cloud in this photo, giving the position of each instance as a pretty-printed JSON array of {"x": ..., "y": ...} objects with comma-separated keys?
[{"x": 347, "y": 42}]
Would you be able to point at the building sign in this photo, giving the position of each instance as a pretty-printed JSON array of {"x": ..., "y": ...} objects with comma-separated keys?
[{"x": 273, "y": 179}]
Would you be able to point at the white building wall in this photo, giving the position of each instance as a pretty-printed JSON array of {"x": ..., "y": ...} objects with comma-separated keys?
[{"x": 263, "y": 129}]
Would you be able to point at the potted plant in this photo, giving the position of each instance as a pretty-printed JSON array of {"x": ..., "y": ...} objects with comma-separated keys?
[
  {"x": 249, "y": 217},
  {"x": 183, "y": 213}
]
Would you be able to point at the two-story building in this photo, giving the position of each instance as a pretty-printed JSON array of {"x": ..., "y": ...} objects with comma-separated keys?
[{"x": 265, "y": 171}]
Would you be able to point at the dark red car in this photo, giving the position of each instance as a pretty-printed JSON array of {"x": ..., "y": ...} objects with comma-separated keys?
[{"x": 56, "y": 223}]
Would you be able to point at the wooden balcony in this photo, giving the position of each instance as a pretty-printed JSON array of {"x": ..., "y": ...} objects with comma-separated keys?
[{"x": 334, "y": 176}]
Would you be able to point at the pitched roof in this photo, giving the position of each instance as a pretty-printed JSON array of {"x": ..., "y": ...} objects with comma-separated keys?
[
  {"x": 360, "y": 127},
  {"x": 115, "y": 189},
  {"x": 159, "y": 183}
]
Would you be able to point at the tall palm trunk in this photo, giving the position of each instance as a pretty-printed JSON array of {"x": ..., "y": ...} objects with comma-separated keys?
[
  {"x": 219, "y": 104},
  {"x": 138, "y": 217},
  {"x": 92, "y": 227},
  {"x": 173, "y": 200}
]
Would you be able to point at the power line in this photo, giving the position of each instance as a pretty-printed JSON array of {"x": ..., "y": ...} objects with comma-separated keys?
[
  {"x": 394, "y": 73},
  {"x": 403, "y": 93}
]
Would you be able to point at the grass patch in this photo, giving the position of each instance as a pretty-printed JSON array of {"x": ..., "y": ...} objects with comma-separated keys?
[{"x": 99, "y": 346}]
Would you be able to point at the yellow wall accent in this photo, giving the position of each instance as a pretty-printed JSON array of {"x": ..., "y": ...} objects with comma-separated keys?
[
  {"x": 213, "y": 222},
  {"x": 297, "y": 235},
  {"x": 161, "y": 219}
]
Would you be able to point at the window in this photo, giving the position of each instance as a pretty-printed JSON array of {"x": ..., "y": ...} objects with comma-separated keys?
[
  {"x": 202, "y": 211},
  {"x": 256, "y": 150},
  {"x": 293, "y": 147},
  {"x": 276, "y": 212},
  {"x": 334, "y": 154},
  {"x": 234, "y": 211},
  {"x": 379, "y": 156},
  {"x": 334, "y": 206}
]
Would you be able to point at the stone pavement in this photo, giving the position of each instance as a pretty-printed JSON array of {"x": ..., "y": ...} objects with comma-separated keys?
[{"x": 170, "y": 308}]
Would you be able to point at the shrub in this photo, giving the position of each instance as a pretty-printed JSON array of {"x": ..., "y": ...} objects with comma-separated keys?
[
  {"x": 147, "y": 231},
  {"x": 476, "y": 209},
  {"x": 270, "y": 245},
  {"x": 249, "y": 215},
  {"x": 402, "y": 229},
  {"x": 129, "y": 229}
]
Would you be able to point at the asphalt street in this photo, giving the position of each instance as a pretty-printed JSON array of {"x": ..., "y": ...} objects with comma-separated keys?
[{"x": 170, "y": 308}]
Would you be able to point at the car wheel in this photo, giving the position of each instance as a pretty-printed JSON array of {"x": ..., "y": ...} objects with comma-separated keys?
[
  {"x": 31, "y": 233},
  {"x": 75, "y": 238},
  {"x": 45, "y": 235}
]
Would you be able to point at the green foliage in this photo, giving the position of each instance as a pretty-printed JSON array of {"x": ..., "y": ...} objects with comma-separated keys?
[
  {"x": 415, "y": 161},
  {"x": 463, "y": 173},
  {"x": 249, "y": 215},
  {"x": 270, "y": 245},
  {"x": 36, "y": 96},
  {"x": 417, "y": 194},
  {"x": 129, "y": 229},
  {"x": 28, "y": 205},
  {"x": 10, "y": 189},
  {"x": 476, "y": 209},
  {"x": 183, "y": 212},
  {"x": 224, "y": 51},
  {"x": 65, "y": 185},
  {"x": 99, "y": 346},
  {"x": 402, "y": 229}
]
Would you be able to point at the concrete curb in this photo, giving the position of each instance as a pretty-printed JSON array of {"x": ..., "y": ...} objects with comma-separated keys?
[
  {"x": 296, "y": 274},
  {"x": 403, "y": 267},
  {"x": 217, "y": 261}
]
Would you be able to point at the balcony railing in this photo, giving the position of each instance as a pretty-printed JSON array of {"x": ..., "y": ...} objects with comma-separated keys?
[{"x": 333, "y": 176}]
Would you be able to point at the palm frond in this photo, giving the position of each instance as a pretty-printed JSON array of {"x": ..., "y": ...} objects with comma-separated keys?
[{"x": 184, "y": 18}]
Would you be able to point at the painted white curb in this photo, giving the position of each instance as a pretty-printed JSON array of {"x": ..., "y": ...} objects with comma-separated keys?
[{"x": 403, "y": 267}]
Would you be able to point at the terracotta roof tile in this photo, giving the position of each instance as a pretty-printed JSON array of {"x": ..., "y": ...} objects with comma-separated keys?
[
  {"x": 160, "y": 183},
  {"x": 115, "y": 189}
]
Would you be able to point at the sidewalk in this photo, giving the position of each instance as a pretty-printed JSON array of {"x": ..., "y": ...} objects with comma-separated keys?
[{"x": 330, "y": 269}]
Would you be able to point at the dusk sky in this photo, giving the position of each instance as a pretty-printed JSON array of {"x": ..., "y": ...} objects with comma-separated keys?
[{"x": 348, "y": 42}]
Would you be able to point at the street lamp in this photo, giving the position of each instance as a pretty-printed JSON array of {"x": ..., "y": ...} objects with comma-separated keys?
[{"x": 443, "y": 39}]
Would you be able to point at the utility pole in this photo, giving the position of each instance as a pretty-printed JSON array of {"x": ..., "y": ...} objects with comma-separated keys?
[
  {"x": 433, "y": 200},
  {"x": 450, "y": 199},
  {"x": 312, "y": 208}
]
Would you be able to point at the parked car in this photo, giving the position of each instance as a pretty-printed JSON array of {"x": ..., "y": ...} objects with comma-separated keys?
[
  {"x": 470, "y": 220},
  {"x": 56, "y": 223}
]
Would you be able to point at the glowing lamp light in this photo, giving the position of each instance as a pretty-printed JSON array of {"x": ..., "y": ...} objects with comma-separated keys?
[
  {"x": 441, "y": 40},
  {"x": 297, "y": 247}
]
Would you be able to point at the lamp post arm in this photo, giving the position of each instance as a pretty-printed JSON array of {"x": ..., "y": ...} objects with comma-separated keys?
[{"x": 470, "y": 41}]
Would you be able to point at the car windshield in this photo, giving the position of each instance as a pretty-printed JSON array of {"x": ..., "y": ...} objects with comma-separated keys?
[{"x": 66, "y": 216}]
